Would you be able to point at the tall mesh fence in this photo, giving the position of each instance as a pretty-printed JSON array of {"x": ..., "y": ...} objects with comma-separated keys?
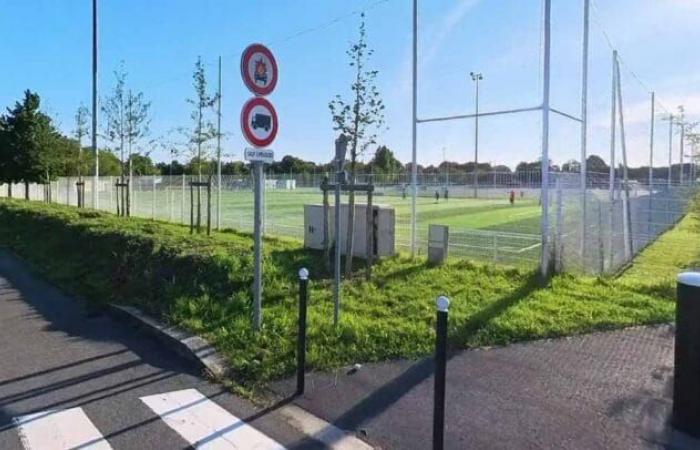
[{"x": 596, "y": 232}]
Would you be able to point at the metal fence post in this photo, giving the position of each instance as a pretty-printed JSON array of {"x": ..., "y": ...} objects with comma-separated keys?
[
  {"x": 301, "y": 339},
  {"x": 443, "y": 306},
  {"x": 153, "y": 207}
]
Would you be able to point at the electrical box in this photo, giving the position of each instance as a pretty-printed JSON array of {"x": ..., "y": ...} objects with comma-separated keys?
[
  {"x": 438, "y": 243},
  {"x": 383, "y": 229}
]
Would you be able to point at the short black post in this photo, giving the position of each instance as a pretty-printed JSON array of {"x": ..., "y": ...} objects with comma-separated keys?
[
  {"x": 301, "y": 339},
  {"x": 443, "y": 305},
  {"x": 686, "y": 389}
]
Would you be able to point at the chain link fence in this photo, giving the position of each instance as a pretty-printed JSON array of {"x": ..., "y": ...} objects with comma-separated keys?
[{"x": 596, "y": 232}]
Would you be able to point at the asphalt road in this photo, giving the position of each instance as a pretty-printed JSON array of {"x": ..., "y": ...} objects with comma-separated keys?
[
  {"x": 599, "y": 391},
  {"x": 86, "y": 376}
]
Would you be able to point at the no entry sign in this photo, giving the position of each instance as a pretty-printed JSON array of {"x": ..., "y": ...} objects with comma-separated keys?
[
  {"x": 259, "y": 122},
  {"x": 259, "y": 69}
]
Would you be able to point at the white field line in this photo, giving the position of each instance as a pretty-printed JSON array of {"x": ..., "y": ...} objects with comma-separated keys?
[
  {"x": 59, "y": 430},
  {"x": 206, "y": 425}
]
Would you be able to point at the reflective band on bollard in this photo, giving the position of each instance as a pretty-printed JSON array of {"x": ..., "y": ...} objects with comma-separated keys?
[
  {"x": 443, "y": 305},
  {"x": 686, "y": 379}
]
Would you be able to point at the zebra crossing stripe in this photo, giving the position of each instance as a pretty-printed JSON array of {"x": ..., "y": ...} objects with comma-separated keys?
[
  {"x": 206, "y": 425},
  {"x": 59, "y": 430}
]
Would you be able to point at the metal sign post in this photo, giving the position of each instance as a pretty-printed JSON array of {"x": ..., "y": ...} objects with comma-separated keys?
[
  {"x": 257, "y": 245},
  {"x": 259, "y": 125}
]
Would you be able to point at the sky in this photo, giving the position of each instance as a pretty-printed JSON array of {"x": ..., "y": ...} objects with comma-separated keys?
[{"x": 47, "y": 48}]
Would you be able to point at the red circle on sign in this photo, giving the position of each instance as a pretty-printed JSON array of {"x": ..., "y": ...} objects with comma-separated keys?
[
  {"x": 259, "y": 69},
  {"x": 250, "y": 123}
]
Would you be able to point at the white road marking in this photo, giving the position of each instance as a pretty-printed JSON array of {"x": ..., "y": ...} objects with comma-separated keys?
[
  {"x": 59, "y": 430},
  {"x": 206, "y": 425}
]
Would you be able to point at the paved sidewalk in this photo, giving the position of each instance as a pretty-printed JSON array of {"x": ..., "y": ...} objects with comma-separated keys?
[
  {"x": 599, "y": 391},
  {"x": 70, "y": 379}
]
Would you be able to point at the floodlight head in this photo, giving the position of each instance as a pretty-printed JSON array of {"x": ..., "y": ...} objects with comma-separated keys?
[
  {"x": 303, "y": 274},
  {"x": 476, "y": 76}
]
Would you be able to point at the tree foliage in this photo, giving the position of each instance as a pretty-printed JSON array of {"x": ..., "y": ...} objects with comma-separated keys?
[
  {"x": 202, "y": 132},
  {"x": 30, "y": 145}
]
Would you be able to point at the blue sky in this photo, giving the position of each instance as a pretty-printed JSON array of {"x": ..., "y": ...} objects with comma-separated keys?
[{"x": 47, "y": 49}]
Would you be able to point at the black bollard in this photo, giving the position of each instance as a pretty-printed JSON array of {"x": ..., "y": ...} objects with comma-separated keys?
[
  {"x": 443, "y": 305},
  {"x": 686, "y": 389},
  {"x": 301, "y": 339}
]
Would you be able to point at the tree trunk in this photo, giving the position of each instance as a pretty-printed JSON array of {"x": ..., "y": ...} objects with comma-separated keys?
[
  {"x": 26, "y": 190},
  {"x": 350, "y": 240},
  {"x": 9, "y": 189}
]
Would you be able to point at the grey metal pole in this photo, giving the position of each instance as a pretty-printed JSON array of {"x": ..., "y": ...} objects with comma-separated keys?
[
  {"x": 584, "y": 121},
  {"x": 651, "y": 142},
  {"x": 476, "y": 137},
  {"x": 626, "y": 218},
  {"x": 218, "y": 152},
  {"x": 258, "y": 244},
  {"x": 544, "y": 262},
  {"x": 651, "y": 164},
  {"x": 680, "y": 151},
  {"x": 95, "y": 187},
  {"x": 670, "y": 148},
  {"x": 611, "y": 187},
  {"x": 337, "y": 233},
  {"x": 414, "y": 123}
]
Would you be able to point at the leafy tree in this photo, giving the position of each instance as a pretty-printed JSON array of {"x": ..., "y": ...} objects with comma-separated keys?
[
  {"x": 28, "y": 143},
  {"x": 595, "y": 163},
  {"x": 126, "y": 123},
  {"x": 142, "y": 164},
  {"x": 385, "y": 162},
  {"x": 360, "y": 118},
  {"x": 203, "y": 130},
  {"x": 571, "y": 165},
  {"x": 235, "y": 168}
]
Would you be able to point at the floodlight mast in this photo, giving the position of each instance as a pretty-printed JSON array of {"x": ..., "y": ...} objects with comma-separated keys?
[
  {"x": 96, "y": 179},
  {"x": 476, "y": 77}
]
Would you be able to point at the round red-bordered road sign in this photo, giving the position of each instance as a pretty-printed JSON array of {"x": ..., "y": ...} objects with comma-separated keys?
[
  {"x": 259, "y": 69},
  {"x": 259, "y": 122}
]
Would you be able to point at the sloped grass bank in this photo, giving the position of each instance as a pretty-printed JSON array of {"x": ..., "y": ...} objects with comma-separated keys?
[{"x": 203, "y": 284}]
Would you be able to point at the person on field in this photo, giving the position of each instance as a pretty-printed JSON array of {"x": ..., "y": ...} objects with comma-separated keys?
[
  {"x": 403, "y": 192},
  {"x": 511, "y": 197},
  {"x": 445, "y": 194},
  {"x": 437, "y": 196}
]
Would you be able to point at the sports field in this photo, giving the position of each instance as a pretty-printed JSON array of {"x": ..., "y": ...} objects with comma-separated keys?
[{"x": 482, "y": 228}]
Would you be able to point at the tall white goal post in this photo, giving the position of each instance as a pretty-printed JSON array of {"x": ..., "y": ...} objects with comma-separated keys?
[{"x": 544, "y": 107}]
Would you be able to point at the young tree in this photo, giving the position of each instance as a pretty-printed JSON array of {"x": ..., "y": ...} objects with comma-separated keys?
[
  {"x": 203, "y": 130},
  {"x": 360, "y": 118},
  {"x": 126, "y": 122}
]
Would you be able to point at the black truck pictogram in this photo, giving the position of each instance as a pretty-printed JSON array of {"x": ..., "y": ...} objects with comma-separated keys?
[{"x": 261, "y": 121}]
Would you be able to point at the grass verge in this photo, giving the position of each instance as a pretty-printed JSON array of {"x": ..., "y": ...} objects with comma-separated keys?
[{"x": 203, "y": 284}]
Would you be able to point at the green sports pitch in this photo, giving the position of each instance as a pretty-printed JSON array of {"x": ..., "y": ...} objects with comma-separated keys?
[{"x": 482, "y": 228}]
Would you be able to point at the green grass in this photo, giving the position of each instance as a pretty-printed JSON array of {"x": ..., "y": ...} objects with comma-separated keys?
[{"x": 203, "y": 284}]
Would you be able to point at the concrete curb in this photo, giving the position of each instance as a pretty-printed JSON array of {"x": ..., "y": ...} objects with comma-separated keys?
[
  {"x": 202, "y": 354},
  {"x": 191, "y": 347}
]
